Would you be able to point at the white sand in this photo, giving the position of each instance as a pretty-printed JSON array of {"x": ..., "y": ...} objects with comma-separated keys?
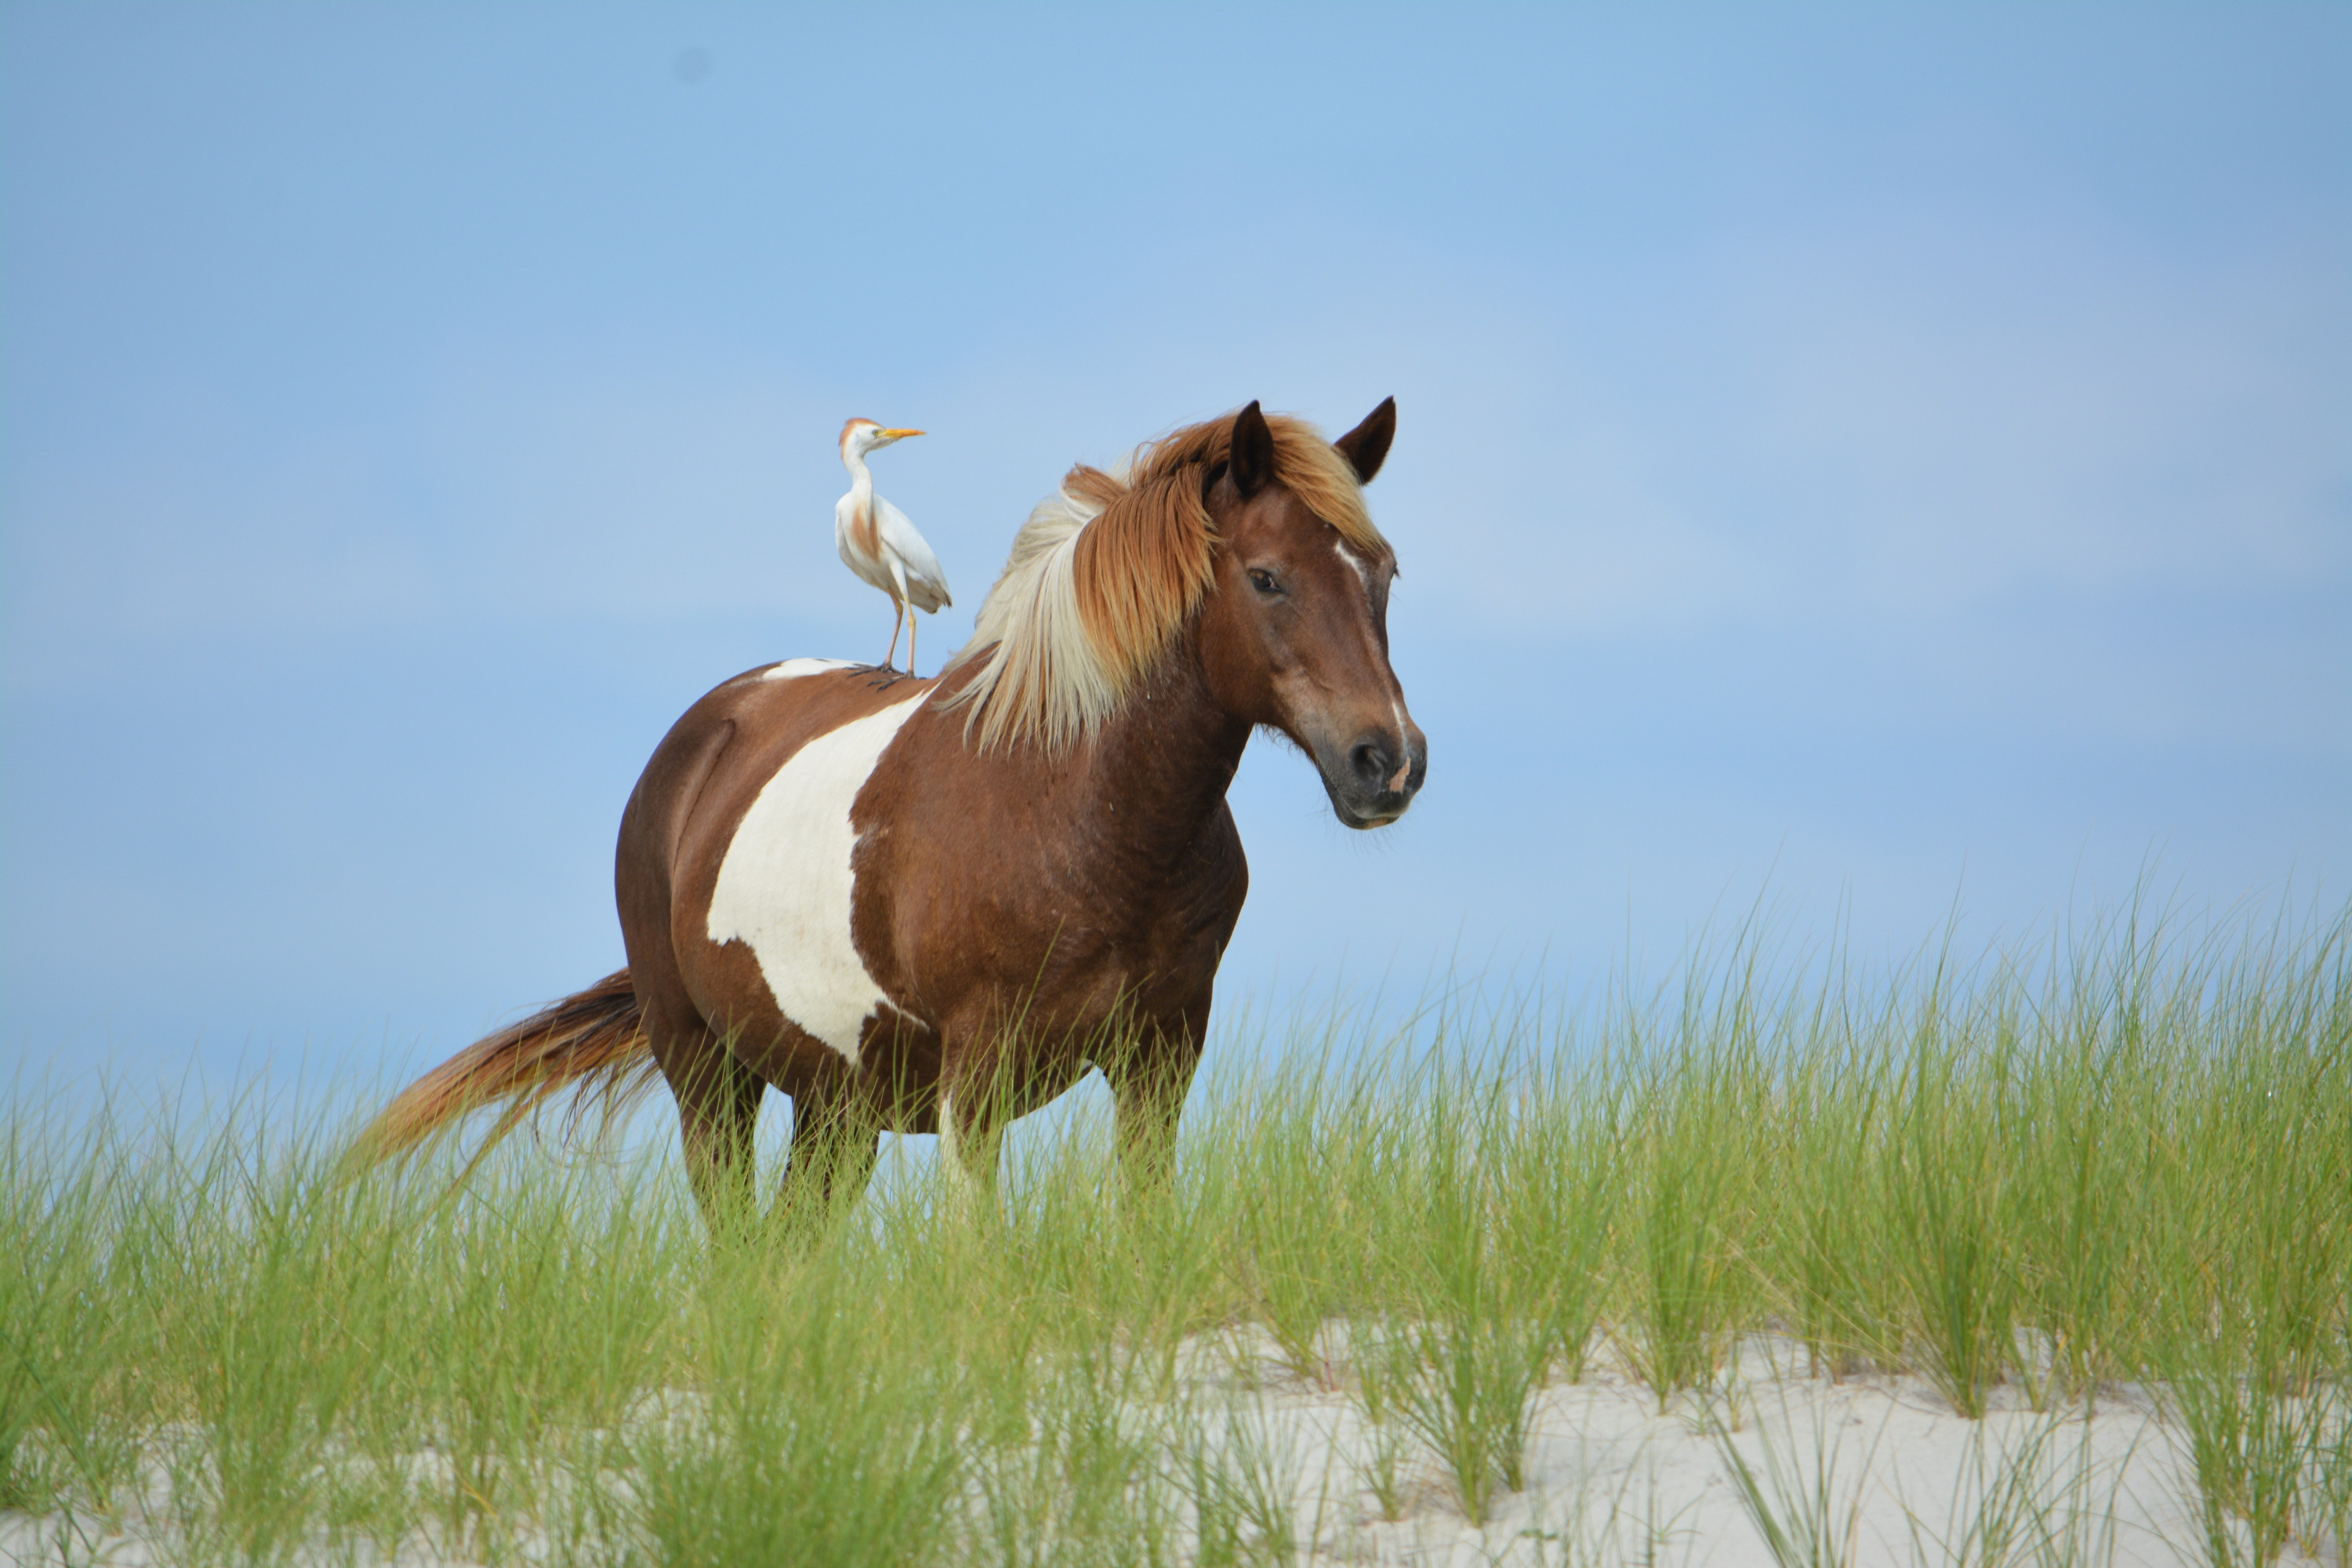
[{"x": 1611, "y": 1480}]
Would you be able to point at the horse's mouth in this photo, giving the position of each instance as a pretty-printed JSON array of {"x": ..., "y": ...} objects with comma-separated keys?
[
  {"x": 1364, "y": 809},
  {"x": 1364, "y": 818}
]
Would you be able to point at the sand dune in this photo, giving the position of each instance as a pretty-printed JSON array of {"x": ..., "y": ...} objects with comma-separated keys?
[{"x": 1873, "y": 1469}]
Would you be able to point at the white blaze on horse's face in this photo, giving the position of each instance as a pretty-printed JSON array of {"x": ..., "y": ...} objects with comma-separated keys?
[
  {"x": 786, "y": 884},
  {"x": 1372, "y": 778}
]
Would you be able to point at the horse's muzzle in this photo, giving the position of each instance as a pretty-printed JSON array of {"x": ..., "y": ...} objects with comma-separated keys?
[{"x": 1377, "y": 777}]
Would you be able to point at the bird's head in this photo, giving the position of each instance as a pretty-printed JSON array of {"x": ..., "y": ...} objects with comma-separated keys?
[{"x": 860, "y": 436}]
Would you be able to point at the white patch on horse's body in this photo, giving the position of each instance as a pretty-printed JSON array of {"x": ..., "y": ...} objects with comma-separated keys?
[
  {"x": 785, "y": 887},
  {"x": 1363, "y": 572},
  {"x": 794, "y": 669}
]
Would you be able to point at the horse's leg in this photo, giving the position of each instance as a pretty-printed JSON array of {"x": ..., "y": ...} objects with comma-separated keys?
[
  {"x": 718, "y": 1096},
  {"x": 970, "y": 1104},
  {"x": 970, "y": 1135},
  {"x": 718, "y": 1112},
  {"x": 835, "y": 1138},
  {"x": 1148, "y": 1079}
]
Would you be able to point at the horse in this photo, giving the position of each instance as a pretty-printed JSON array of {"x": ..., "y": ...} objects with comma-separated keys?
[{"x": 933, "y": 905}]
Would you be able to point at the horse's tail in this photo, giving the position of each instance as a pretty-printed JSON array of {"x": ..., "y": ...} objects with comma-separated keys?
[{"x": 594, "y": 1040}]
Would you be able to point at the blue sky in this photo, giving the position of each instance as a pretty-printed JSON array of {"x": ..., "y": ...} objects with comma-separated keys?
[{"x": 1879, "y": 457}]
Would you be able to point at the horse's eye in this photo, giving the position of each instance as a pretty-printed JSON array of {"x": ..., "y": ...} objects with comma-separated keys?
[{"x": 1264, "y": 581}]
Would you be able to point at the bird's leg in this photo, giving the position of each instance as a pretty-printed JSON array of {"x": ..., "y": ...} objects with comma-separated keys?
[
  {"x": 898, "y": 614},
  {"x": 906, "y": 608}
]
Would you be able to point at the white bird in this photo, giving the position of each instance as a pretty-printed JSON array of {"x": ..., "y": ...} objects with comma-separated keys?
[{"x": 879, "y": 544}]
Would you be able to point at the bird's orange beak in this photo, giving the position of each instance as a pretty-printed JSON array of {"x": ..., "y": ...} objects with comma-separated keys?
[{"x": 899, "y": 434}]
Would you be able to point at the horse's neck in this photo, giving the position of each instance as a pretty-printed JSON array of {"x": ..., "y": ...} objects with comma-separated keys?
[{"x": 1158, "y": 770}]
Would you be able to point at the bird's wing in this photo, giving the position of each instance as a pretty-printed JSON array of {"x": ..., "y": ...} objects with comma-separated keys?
[
  {"x": 846, "y": 538},
  {"x": 927, "y": 581}
]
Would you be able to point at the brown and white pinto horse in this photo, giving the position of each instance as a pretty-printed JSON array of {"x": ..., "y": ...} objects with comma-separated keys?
[{"x": 932, "y": 905}]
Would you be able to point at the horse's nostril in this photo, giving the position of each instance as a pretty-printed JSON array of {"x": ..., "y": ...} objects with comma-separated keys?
[{"x": 1371, "y": 760}]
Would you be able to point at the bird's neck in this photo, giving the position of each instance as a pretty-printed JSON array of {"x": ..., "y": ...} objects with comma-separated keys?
[{"x": 861, "y": 482}]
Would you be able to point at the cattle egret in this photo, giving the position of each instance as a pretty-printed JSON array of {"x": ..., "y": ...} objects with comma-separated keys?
[{"x": 879, "y": 544}]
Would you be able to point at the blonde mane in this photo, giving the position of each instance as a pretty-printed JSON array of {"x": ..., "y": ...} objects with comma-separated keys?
[{"x": 1108, "y": 569}]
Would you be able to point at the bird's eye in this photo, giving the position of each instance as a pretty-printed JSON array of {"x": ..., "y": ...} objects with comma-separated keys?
[{"x": 1264, "y": 581}]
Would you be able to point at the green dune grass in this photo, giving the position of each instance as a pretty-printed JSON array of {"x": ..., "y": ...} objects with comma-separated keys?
[{"x": 2125, "y": 1158}]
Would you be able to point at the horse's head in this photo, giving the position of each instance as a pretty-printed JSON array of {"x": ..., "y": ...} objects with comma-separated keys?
[{"x": 1294, "y": 634}]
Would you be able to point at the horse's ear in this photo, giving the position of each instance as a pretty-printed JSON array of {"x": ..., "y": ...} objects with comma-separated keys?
[
  {"x": 1366, "y": 446},
  {"x": 1251, "y": 463},
  {"x": 1209, "y": 478}
]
